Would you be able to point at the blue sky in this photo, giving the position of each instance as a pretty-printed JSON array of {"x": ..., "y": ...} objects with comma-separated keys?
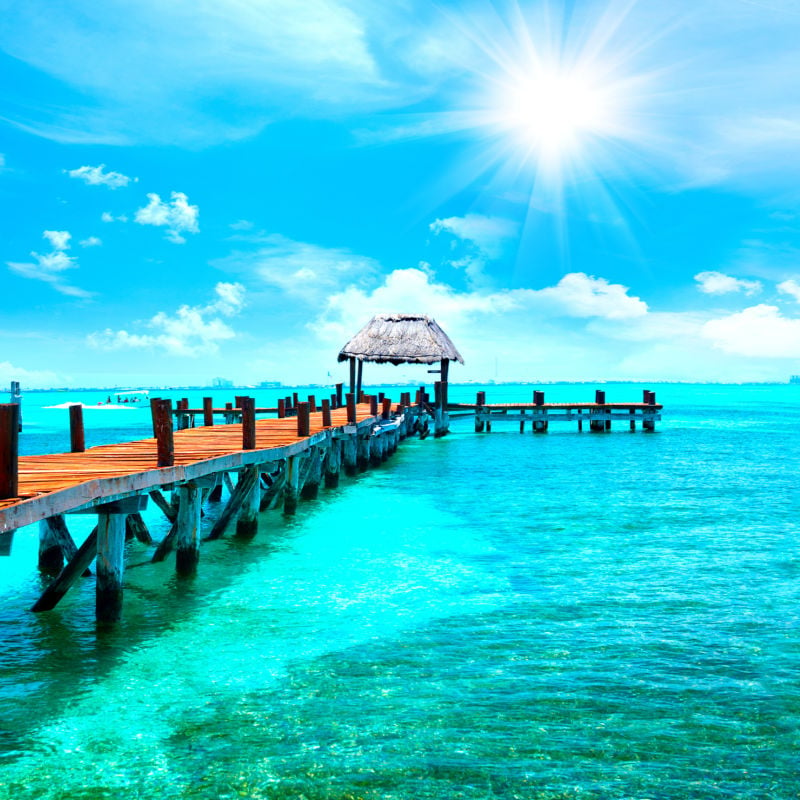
[{"x": 231, "y": 188}]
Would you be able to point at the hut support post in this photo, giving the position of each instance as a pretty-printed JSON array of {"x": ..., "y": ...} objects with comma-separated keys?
[
  {"x": 358, "y": 379},
  {"x": 110, "y": 566},
  {"x": 247, "y": 523},
  {"x": 352, "y": 361},
  {"x": 187, "y": 540}
]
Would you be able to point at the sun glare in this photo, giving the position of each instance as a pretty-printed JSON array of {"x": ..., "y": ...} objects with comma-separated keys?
[{"x": 551, "y": 112}]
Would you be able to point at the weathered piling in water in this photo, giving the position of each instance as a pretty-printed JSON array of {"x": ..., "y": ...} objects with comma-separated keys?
[
  {"x": 187, "y": 539},
  {"x": 313, "y": 474},
  {"x": 598, "y": 425},
  {"x": 110, "y": 566},
  {"x": 247, "y": 522},
  {"x": 56, "y": 545},
  {"x": 291, "y": 491},
  {"x": 333, "y": 463}
]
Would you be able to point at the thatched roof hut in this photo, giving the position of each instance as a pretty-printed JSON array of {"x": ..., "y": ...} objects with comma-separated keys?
[{"x": 399, "y": 339}]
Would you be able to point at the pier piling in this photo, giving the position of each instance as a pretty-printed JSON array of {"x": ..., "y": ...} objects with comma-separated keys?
[
  {"x": 187, "y": 538},
  {"x": 9, "y": 450}
]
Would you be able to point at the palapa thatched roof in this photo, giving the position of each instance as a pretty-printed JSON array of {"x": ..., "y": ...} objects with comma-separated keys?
[{"x": 401, "y": 339}]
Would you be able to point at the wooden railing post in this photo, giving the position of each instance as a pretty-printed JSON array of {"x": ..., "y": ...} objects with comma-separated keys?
[
  {"x": 373, "y": 405},
  {"x": 326, "y": 414},
  {"x": 312, "y": 403},
  {"x": 248, "y": 406},
  {"x": 386, "y": 408},
  {"x": 9, "y": 450},
  {"x": 162, "y": 428},
  {"x": 77, "y": 440},
  {"x": 208, "y": 411},
  {"x": 303, "y": 420},
  {"x": 339, "y": 391},
  {"x": 281, "y": 408},
  {"x": 351, "y": 408}
]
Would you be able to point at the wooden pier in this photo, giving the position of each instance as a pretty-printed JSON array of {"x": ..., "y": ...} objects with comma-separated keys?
[
  {"x": 598, "y": 415},
  {"x": 277, "y": 461}
]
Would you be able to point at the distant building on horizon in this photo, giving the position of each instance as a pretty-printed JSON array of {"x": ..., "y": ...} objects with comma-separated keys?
[{"x": 221, "y": 383}]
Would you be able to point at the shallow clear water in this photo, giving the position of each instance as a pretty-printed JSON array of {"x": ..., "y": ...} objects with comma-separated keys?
[{"x": 485, "y": 616}]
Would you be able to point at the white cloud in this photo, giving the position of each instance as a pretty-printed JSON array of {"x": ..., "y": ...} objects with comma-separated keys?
[
  {"x": 711, "y": 282},
  {"x": 263, "y": 57},
  {"x": 107, "y": 216},
  {"x": 95, "y": 176},
  {"x": 488, "y": 234},
  {"x": 190, "y": 331},
  {"x": 241, "y": 225},
  {"x": 2, "y": 162},
  {"x": 790, "y": 287},
  {"x": 28, "y": 378},
  {"x": 177, "y": 216},
  {"x": 49, "y": 267},
  {"x": 91, "y": 241},
  {"x": 759, "y": 331},
  {"x": 580, "y": 295},
  {"x": 303, "y": 270},
  {"x": 58, "y": 239}
]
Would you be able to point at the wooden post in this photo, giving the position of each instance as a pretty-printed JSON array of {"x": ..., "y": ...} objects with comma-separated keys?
[
  {"x": 386, "y": 408},
  {"x": 76, "y": 567},
  {"x": 599, "y": 399},
  {"x": 77, "y": 440},
  {"x": 350, "y": 454},
  {"x": 444, "y": 372},
  {"x": 480, "y": 401},
  {"x": 110, "y": 565},
  {"x": 363, "y": 452},
  {"x": 135, "y": 526},
  {"x": 187, "y": 538},
  {"x": 310, "y": 488},
  {"x": 291, "y": 490},
  {"x": 247, "y": 523},
  {"x": 56, "y": 546},
  {"x": 208, "y": 411},
  {"x": 162, "y": 427},
  {"x": 303, "y": 420},
  {"x": 375, "y": 449},
  {"x": 339, "y": 391},
  {"x": 247, "y": 478},
  {"x": 229, "y": 415},
  {"x": 538, "y": 398},
  {"x": 632, "y": 413},
  {"x": 333, "y": 464},
  {"x": 312, "y": 403},
  {"x": 295, "y": 399},
  {"x": 248, "y": 406},
  {"x": 373, "y": 405},
  {"x": 358, "y": 377},
  {"x": 281, "y": 408},
  {"x": 16, "y": 399},
  {"x": 522, "y": 421},
  {"x": 288, "y": 403},
  {"x": 326, "y": 414},
  {"x": 351, "y": 409},
  {"x": 352, "y": 375},
  {"x": 9, "y": 450}
]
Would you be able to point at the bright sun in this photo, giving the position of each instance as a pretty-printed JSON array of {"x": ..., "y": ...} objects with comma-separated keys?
[{"x": 551, "y": 112}]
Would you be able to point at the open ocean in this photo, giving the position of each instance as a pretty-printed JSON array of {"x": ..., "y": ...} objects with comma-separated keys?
[{"x": 484, "y": 616}]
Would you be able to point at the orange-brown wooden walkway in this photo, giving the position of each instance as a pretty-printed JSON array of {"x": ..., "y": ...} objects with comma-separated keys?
[{"x": 60, "y": 482}]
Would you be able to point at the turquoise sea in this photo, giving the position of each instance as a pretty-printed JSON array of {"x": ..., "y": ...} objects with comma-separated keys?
[{"x": 484, "y": 616}]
